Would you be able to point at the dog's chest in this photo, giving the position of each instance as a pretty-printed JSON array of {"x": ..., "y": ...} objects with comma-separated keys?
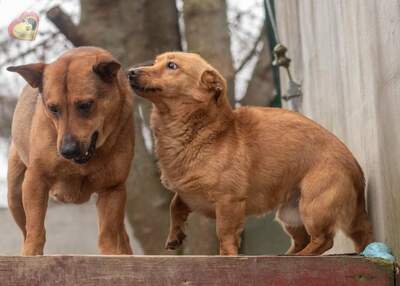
[
  {"x": 70, "y": 189},
  {"x": 179, "y": 166},
  {"x": 185, "y": 168},
  {"x": 187, "y": 182},
  {"x": 193, "y": 185}
]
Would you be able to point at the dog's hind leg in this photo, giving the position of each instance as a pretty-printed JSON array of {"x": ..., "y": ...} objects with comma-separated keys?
[
  {"x": 326, "y": 196},
  {"x": 288, "y": 216},
  {"x": 330, "y": 199},
  {"x": 300, "y": 238},
  {"x": 319, "y": 224},
  {"x": 179, "y": 212},
  {"x": 15, "y": 177}
]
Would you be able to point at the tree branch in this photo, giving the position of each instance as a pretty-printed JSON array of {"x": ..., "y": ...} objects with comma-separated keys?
[
  {"x": 7, "y": 106},
  {"x": 28, "y": 51},
  {"x": 251, "y": 53},
  {"x": 66, "y": 27},
  {"x": 260, "y": 87}
]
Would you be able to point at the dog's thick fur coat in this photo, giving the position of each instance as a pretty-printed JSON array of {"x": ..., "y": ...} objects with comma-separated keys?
[
  {"x": 229, "y": 164},
  {"x": 79, "y": 106}
]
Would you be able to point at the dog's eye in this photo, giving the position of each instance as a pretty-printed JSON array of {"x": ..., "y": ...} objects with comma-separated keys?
[
  {"x": 172, "y": 65},
  {"x": 54, "y": 109},
  {"x": 84, "y": 107}
]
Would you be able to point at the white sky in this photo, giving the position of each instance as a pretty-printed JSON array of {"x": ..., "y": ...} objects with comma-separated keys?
[{"x": 10, "y": 9}]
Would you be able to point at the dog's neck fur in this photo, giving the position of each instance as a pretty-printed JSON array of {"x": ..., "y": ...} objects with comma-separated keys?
[
  {"x": 186, "y": 122},
  {"x": 186, "y": 131},
  {"x": 121, "y": 117},
  {"x": 124, "y": 113}
]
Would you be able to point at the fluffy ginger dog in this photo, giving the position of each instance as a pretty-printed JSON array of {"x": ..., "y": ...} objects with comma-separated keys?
[{"x": 231, "y": 163}]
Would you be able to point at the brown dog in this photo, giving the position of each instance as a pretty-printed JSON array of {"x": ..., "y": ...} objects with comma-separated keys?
[
  {"x": 72, "y": 135},
  {"x": 229, "y": 163}
]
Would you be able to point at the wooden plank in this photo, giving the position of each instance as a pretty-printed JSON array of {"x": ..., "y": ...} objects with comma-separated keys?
[
  {"x": 333, "y": 45},
  {"x": 194, "y": 270}
]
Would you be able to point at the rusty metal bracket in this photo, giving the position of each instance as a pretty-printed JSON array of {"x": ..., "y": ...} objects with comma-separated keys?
[{"x": 281, "y": 60}]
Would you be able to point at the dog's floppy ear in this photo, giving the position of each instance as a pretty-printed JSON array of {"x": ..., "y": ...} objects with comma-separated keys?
[
  {"x": 32, "y": 73},
  {"x": 213, "y": 82},
  {"x": 107, "y": 70}
]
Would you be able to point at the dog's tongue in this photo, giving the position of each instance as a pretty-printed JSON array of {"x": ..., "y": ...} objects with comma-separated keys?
[{"x": 82, "y": 159}]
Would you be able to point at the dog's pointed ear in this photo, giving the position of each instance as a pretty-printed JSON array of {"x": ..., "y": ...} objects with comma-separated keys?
[
  {"x": 107, "y": 70},
  {"x": 213, "y": 82},
  {"x": 32, "y": 73}
]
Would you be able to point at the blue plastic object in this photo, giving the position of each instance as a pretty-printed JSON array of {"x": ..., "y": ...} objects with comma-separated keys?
[{"x": 378, "y": 250}]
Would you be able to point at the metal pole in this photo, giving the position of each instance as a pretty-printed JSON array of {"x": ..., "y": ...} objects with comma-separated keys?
[{"x": 272, "y": 42}]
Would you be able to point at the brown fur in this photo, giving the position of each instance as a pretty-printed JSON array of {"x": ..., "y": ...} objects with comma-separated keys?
[
  {"x": 229, "y": 164},
  {"x": 36, "y": 167}
]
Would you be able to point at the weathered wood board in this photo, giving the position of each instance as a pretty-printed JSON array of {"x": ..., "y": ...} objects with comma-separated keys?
[
  {"x": 346, "y": 55},
  {"x": 194, "y": 270}
]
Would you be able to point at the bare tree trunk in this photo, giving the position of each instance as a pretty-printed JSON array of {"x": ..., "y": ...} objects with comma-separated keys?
[
  {"x": 135, "y": 31},
  {"x": 162, "y": 26},
  {"x": 148, "y": 201},
  {"x": 207, "y": 33},
  {"x": 260, "y": 90},
  {"x": 7, "y": 106}
]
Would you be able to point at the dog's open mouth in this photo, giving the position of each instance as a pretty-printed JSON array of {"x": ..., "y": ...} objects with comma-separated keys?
[{"x": 84, "y": 158}]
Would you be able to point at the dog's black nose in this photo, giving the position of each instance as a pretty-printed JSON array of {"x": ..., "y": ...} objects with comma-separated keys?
[
  {"x": 69, "y": 147},
  {"x": 133, "y": 73}
]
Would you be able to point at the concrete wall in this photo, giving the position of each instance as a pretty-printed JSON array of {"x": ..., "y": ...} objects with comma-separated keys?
[
  {"x": 70, "y": 229},
  {"x": 347, "y": 55}
]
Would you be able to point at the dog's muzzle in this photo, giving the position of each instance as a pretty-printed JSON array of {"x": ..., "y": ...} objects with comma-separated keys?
[
  {"x": 71, "y": 149},
  {"x": 133, "y": 76}
]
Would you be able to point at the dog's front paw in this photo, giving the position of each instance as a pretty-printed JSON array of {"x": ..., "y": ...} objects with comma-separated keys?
[
  {"x": 31, "y": 252},
  {"x": 174, "y": 241}
]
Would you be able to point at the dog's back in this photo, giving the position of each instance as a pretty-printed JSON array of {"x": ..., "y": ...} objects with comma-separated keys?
[
  {"x": 286, "y": 145},
  {"x": 290, "y": 137}
]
